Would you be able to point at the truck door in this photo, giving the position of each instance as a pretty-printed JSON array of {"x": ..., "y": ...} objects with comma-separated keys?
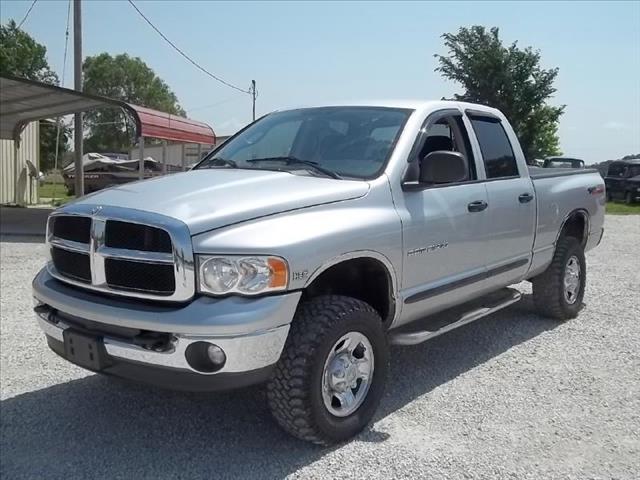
[
  {"x": 511, "y": 198},
  {"x": 443, "y": 224}
]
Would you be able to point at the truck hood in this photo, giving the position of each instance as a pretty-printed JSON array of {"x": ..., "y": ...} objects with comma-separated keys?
[{"x": 209, "y": 199}]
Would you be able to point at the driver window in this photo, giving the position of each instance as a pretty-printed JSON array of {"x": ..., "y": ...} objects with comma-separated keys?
[{"x": 447, "y": 133}]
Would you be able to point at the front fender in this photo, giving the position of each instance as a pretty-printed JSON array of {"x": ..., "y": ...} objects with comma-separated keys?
[
  {"x": 313, "y": 239},
  {"x": 343, "y": 257}
]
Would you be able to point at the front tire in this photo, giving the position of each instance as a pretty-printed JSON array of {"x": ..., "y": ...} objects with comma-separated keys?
[
  {"x": 558, "y": 291},
  {"x": 331, "y": 375}
]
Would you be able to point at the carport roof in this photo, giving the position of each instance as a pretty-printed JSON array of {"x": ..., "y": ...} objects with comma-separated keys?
[{"x": 23, "y": 101}]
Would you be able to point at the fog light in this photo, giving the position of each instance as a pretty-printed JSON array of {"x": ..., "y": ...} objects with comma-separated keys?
[
  {"x": 216, "y": 355},
  {"x": 205, "y": 357}
]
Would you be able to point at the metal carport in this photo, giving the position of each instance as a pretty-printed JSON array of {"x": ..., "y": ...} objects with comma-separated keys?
[{"x": 23, "y": 101}]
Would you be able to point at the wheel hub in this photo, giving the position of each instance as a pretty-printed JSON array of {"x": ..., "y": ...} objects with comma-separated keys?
[
  {"x": 344, "y": 373},
  {"x": 347, "y": 374},
  {"x": 572, "y": 280}
]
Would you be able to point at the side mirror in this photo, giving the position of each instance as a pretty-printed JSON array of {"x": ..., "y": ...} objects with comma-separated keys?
[{"x": 443, "y": 166}]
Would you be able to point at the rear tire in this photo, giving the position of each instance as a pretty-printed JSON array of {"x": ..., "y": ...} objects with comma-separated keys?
[
  {"x": 558, "y": 291},
  {"x": 298, "y": 393}
]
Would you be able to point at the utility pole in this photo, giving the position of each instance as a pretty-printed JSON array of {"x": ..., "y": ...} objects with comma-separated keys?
[
  {"x": 253, "y": 96},
  {"x": 77, "y": 66}
]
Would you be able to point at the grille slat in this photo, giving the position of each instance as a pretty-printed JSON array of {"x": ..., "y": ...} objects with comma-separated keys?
[
  {"x": 134, "y": 236},
  {"x": 73, "y": 265},
  {"x": 74, "y": 228},
  {"x": 139, "y": 276}
]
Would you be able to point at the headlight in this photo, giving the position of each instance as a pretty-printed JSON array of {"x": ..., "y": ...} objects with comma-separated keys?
[{"x": 244, "y": 275}]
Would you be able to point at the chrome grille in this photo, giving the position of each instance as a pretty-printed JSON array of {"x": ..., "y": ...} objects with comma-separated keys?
[{"x": 121, "y": 251}]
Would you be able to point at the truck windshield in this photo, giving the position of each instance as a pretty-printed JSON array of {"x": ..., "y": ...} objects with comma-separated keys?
[{"x": 331, "y": 142}]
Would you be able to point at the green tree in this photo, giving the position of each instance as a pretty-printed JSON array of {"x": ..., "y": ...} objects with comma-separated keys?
[
  {"x": 508, "y": 78},
  {"x": 22, "y": 56},
  {"x": 48, "y": 132},
  {"x": 124, "y": 78}
]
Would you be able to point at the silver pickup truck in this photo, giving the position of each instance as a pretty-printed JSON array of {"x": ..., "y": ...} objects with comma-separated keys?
[{"x": 305, "y": 245}]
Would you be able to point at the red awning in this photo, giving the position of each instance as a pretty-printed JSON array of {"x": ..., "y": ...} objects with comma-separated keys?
[
  {"x": 23, "y": 101},
  {"x": 171, "y": 127}
]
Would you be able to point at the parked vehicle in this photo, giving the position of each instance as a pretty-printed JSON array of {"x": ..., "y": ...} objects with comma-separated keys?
[
  {"x": 623, "y": 181},
  {"x": 110, "y": 169},
  {"x": 563, "y": 162},
  {"x": 300, "y": 249}
]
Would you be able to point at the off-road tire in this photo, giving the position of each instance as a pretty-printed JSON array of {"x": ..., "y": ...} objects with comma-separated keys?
[
  {"x": 548, "y": 287},
  {"x": 294, "y": 392}
]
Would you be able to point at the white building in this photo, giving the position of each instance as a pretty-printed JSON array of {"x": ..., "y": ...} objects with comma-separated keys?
[
  {"x": 20, "y": 187},
  {"x": 177, "y": 153}
]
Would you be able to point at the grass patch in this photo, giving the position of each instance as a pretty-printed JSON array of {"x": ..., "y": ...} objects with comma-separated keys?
[
  {"x": 615, "y": 208},
  {"x": 54, "y": 193}
]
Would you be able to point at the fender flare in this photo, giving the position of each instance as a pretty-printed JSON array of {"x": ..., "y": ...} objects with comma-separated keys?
[
  {"x": 587, "y": 225},
  {"x": 362, "y": 254}
]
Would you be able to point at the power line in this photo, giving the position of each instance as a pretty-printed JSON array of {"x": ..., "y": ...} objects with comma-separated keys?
[
  {"x": 26, "y": 15},
  {"x": 177, "y": 49},
  {"x": 64, "y": 69},
  {"x": 211, "y": 105},
  {"x": 66, "y": 43}
]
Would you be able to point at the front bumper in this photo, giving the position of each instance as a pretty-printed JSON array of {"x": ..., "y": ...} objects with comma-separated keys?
[{"x": 251, "y": 332}]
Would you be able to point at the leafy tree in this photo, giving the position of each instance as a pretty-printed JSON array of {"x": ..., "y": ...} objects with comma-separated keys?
[
  {"x": 124, "y": 78},
  {"x": 508, "y": 78},
  {"x": 48, "y": 132},
  {"x": 22, "y": 56}
]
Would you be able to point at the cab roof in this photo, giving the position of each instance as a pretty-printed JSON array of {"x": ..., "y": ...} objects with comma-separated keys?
[{"x": 413, "y": 104}]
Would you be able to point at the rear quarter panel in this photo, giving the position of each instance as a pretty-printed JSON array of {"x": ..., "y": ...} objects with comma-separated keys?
[{"x": 558, "y": 197}]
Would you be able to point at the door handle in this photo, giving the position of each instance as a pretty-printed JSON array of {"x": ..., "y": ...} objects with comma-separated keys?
[
  {"x": 477, "y": 206},
  {"x": 525, "y": 197}
]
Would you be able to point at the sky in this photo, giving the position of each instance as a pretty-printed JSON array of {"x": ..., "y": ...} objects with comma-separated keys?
[{"x": 302, "y": 53}]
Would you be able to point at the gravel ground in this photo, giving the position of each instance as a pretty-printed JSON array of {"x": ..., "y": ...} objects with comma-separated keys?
[{"x": 510, "y": 396}]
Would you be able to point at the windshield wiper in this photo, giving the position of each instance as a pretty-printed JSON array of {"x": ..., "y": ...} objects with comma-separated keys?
[
  {"x": 290, "y": 160},
  {"x": 220, "y": 162}
]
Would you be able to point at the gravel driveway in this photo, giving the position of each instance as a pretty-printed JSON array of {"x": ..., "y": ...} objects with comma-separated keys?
[{"x": 510, "y": 396}]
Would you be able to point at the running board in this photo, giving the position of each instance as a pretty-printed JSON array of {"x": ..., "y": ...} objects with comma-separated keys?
[{"x": 448, "y": 320}]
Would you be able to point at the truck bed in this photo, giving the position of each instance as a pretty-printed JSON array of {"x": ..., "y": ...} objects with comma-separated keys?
[
  {"x": 559, "y": 193},
  {"x": 538, "y": 172}
]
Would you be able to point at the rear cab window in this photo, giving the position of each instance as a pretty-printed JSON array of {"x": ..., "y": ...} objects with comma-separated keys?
[{"x": 497, "y": 152}]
